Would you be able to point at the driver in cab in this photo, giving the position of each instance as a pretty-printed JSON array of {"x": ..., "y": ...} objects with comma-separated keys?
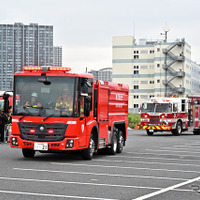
[{"x": 33, "y": 103}]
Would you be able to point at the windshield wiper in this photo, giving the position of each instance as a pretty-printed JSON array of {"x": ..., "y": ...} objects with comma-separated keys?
[
  {"x": 47, "y": 117},
  {"x": 23, "y": 115}
]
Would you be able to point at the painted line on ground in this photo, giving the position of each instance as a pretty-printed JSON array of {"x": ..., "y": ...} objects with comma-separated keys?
[
  {"x": 121, "y": 167},
  {"x": 167, "y": 189},
  {"x": 173, "y": 151},
  {"x": 102, "y": 174},
  {"x": 145, "y": 162},
  {"x": 49, "y": 195},
  {"x": 147, "y": 158},
  {"x": 79, "y": 183},
  {"x": 180, "y": 148},
  {"x": 162, "y": 154}
]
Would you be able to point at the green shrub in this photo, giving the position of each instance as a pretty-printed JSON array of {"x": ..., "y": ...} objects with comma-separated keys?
[{"x": 133, "y": 118}]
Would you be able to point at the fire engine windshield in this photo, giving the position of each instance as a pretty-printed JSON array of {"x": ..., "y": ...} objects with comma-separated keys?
[
  {"x": 157, "y": 107},
  {"x": 53, "y": 97}
]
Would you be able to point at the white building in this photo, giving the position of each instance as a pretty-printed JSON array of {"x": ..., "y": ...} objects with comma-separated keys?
[{"x": 154, "y": 68}]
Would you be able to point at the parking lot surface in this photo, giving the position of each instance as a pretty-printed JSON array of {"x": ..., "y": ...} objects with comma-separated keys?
[{"x": 155, "y": 167}]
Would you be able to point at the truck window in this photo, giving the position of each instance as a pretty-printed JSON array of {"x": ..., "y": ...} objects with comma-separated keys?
[
  {"x": 147, "y": 107},
  {"x": 175, "y": 107},
  {"x": 86, "y": 88},
  {"x": 183, "y": 106}
]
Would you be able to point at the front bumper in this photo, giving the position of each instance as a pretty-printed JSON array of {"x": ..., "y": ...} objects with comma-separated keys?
[
  {"x": 64, "y": 145},
  {"x": 157, "y": 128}
]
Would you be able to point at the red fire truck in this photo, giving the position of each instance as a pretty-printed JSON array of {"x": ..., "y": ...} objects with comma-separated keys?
[
  {"x": 97, "y": 118},
  {"x": 6, "y": 98},
  {"x": 194, "y": 113},
  {"x": 165, "y": 114}
]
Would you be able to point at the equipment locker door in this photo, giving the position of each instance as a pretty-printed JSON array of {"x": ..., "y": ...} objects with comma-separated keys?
[{"x": 103, "y": 115}]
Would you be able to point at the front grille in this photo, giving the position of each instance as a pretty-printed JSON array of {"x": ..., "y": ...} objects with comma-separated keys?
[
  {"x": 41, "y": 131},
  {"x": 154, "y": 120}
]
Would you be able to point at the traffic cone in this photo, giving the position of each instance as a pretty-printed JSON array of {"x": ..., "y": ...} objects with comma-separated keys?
[{"x": 136, "y": 127}]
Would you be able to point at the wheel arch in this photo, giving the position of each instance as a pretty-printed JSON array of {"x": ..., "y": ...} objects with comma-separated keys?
[{"x": 120, "y": 125}]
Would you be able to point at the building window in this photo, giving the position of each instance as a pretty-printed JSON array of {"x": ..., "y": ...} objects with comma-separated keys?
[
  {"x": 136, "y": 72},
  {"x": 144, "y": 96},
  {"x": 151, "y": 82},
  {"x": 136, "y": 67},
  {"x": 136, "y": 52},
  {"x": 135, "y": 105},
  {"x": 158, "y": 81},
  {"x": 151, "y": 51},
  {"x": 158, "y": 49},
  {"x": 151, "y": 66},
  {"x": 136, "y": 96},
  {"x": 151, "y": 96},
  {"x": 136, "y": 57},
  {"x": 143, "y": 51},
  {"x": 144, "y": 82},
  {"x": 136, "y": 87},
  {"x": 144, "y": 67},
  {"x": 158, "y": 65}
]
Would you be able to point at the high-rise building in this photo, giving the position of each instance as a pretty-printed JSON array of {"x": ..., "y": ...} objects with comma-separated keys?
[
  {"x": 104, "y": 74},
  {"x": 23, "y": 45},
  {"x": 154, "y": 69},
  {"x": 57, "y": 56}
]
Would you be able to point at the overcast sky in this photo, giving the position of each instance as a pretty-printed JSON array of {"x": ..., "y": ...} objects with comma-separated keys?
[{"x": 84, "y": 28}]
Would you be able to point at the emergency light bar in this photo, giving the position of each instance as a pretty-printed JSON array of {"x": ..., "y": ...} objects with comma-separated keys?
[{"x": 46, "y": 68}]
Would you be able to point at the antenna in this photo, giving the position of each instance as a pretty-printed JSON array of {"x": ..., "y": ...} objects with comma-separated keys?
[{"x": 166, "y": 29}]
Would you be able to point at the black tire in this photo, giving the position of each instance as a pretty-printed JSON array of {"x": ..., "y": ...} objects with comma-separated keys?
[
  {"x": 87, "y": 154},
  {"x": 28, "y": 153},
  {"x": 178, "y": 129},
  {"x": 120, "y": 142},
  {"x": 149, "y": 132},
  {"x": 112, "y": 150}
]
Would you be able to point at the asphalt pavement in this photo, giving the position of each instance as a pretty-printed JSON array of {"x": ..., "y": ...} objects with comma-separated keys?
[{"x": 155, "y": 167}]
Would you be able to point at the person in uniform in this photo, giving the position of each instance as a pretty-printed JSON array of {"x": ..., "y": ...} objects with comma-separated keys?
[{"x": 33, "y": 103}]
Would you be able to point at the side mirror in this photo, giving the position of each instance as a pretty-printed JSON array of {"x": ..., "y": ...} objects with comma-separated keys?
[{"x": 87, "y": 103}]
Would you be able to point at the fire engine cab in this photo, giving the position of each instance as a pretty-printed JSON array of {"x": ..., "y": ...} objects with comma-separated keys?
[
  {"x": 55, "y": 110},
  {"x": 165, "y": 114}
]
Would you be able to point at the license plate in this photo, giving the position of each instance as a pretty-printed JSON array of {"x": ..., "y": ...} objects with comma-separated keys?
[{"x": 41, "y": 146}]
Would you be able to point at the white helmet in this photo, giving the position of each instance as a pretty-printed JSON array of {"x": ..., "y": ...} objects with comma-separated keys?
[{"x": 34, "y": 94}]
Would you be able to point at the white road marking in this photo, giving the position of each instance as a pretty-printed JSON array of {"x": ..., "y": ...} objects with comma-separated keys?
[
  {"x": 121, "y": 167},
  {"x": 162, "y": 154},
  {"x": 145, "y": 162},
  {"x": 147, "y": 158},
  {"x": 189, "y": 150},
  {"x": 102, "y": 174},
  {"x": 49, "y": 195},
  {"x": 171, "y": 149},
  {"x": 79, "y": 183},
  {"x": 167, "y": 189}
]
